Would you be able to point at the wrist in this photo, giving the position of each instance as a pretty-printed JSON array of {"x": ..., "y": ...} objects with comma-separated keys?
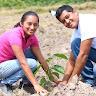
[
  {"x": 35, "y": 83},
  {"x": 66, "y": 77}
]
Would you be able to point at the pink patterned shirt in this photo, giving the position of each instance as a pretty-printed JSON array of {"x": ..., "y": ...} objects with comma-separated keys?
[{"x": 15, "y": 36}]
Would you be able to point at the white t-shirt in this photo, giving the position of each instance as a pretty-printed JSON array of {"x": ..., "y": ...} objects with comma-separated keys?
[{"x": 86, "y": 28}]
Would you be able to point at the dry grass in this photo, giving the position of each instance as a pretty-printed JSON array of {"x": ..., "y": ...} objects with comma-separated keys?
[{"x": 84, "y": 6}]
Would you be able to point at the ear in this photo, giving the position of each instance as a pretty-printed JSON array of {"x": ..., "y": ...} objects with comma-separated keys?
[{"x": 21, "y": 24}]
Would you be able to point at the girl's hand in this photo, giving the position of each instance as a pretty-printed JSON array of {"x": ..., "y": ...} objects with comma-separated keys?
[
  {"x": 56, "y": 81},
  {"x": 40, "y": 90}
]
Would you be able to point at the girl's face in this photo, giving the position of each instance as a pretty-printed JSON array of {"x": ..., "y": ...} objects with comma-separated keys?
[{"x": 30, "y": 25}]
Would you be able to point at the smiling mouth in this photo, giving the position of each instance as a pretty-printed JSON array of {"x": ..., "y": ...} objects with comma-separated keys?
[
  {"x": 31, "y": 31},
  {"x": 69, "y": 25}
]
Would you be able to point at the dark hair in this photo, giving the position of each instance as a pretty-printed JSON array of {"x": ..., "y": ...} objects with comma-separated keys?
[
  {"x": 24, "y": 17},
  {"x": 61, "y": 9}
]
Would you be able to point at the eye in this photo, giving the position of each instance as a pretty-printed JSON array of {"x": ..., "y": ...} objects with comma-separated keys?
[
  {"x": 67, "y": 16},
  {"x": 29, "y": 23},
  {"x": 35, "y": 24}
]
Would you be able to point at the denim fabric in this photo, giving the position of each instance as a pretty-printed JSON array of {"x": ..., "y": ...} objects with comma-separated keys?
[
  {"x": 29, "y": 54},
  {"x": 11, "y": 71},
  {"x": 89, "y": 71}
]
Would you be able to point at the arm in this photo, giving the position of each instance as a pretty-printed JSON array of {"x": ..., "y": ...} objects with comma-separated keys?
[
  {"x": 38, "y": 54},
  {"x": 69, "y": 68},
  {"x": 82, "y": 56},
  {"x": 22, "y": 60}
]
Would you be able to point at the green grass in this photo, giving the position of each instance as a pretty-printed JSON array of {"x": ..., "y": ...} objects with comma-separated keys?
[
  {"x": 41, "y": 6},
  {"x": 18, "y": 4}
]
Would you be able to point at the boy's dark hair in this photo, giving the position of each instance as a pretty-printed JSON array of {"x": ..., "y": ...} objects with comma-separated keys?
[
  {"x": 61, "y": 9},
  {"x": 24, "y": 17}
]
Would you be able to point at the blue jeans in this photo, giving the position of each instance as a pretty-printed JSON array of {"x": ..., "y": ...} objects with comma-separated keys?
[
  {"x": 89, "y": 71},
  {"x": 11, "y": 71}
]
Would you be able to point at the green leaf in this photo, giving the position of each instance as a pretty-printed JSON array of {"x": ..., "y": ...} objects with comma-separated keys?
[
  {"x": 56, "y": 74},
  {"x": 49, "y": 59},
  {"x": 43, "y": 81},
  {"x": 61, "y": 56},
  {"x": 36, "y": 70},
  {"x": 58, "y": 68}
]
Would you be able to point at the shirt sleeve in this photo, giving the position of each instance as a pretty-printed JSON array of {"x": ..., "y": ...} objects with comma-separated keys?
[
  {"x": 88, "y": 27},
  {"x": 76, "y": 34},
  {"x": 15, "y": 39}
]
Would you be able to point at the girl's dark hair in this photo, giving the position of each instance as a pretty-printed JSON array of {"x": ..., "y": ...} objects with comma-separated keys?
[
  {"x": 61, "y": 9},
  {"x": 24, "y": 17}
]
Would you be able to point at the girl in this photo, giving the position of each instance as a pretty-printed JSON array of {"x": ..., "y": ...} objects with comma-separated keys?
[{"x": 16, "y": 48}]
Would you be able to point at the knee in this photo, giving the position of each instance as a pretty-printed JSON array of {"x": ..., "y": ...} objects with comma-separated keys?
[
  {"x": 75, "y": 46},
  {"x": 29, "y": 54},
  {"x": 32, "y": 63},
  {"x": 75, "y": 43},
  {"x": 94, "y": 70}
]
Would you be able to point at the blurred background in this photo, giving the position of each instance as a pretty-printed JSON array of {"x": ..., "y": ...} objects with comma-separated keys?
[{"x": 19, "y": 4}]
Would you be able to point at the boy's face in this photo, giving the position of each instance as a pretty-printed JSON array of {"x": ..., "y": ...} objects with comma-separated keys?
[{"x": 69, "y": 19}]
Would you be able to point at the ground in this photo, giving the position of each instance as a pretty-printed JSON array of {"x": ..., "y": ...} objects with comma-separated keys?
[{"x": 52, "y": 35}]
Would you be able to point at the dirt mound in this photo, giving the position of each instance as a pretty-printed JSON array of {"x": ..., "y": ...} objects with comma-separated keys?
[{"x": 74, "y": 88}]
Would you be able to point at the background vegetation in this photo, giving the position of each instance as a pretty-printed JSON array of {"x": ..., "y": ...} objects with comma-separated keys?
[{"x": 28, "y": 3}]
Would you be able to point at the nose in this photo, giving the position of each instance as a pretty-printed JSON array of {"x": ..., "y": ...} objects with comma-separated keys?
[
  {"x": 32, "y": 26},
  {"x": 67, "y": 21}
]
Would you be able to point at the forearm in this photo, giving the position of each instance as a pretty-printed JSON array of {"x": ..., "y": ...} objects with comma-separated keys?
[
  {"x": 44, "y": 65},
  {"x": 40, "y": 58},
  {"x": 29, "y": 73},
  {"x": 82, "y": 56},
  {"x": 69, "y": 70},
  {"x": 80, "y": 62}
]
